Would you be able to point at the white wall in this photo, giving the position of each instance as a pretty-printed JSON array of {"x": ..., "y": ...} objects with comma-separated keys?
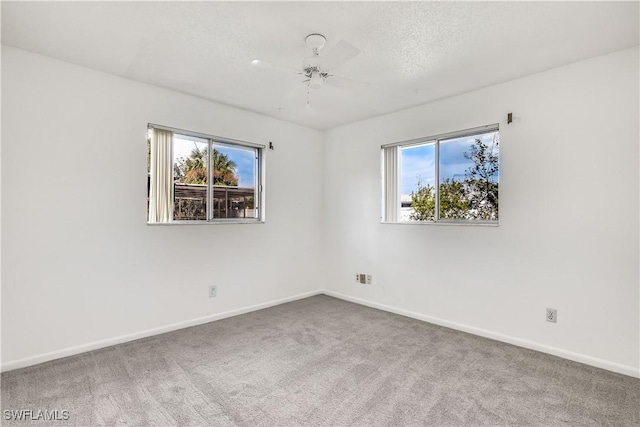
[
  {"x": 80, "y": 264},
  {"x": 568, "y": 234}
]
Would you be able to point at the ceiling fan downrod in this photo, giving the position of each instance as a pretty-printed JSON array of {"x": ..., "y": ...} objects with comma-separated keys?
[{"x": 316, "y": 42}]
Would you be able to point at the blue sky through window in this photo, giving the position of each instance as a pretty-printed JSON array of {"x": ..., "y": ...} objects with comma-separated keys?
[
  {"x": 419, "y": 160},
  {"x": 245, "y": 163},
  {"x": 418, "y": 163}
]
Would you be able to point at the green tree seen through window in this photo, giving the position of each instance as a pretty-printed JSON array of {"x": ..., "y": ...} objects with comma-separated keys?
[
  {"x": 474, "y": 198},
  {"x": 193, "y": 169}
]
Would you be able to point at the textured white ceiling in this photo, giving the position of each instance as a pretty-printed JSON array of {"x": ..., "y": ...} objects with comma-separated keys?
[{"x": 412, "y": 52}]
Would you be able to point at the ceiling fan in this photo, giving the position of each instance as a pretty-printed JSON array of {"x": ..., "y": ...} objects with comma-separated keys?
[{"x": 317, "y": 70}]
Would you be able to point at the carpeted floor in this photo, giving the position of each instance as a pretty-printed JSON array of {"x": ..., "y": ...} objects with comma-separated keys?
[{"x": 321, "y": 362}]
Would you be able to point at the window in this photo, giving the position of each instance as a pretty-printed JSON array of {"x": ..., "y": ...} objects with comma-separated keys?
[
  {"x": 446, "y": 178},
  {"x": 199, "y": 178}
]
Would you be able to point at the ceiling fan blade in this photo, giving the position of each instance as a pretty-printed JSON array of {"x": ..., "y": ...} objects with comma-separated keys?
[
  {"x": 345, "y": 83},
  {"x": 269, "y": 66},
  {"x": 341, "y": 53}
]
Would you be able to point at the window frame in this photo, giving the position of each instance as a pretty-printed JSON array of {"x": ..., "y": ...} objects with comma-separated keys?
[
  {"x": 212, "y": 140},
  {"x": 435, "y": 139}
]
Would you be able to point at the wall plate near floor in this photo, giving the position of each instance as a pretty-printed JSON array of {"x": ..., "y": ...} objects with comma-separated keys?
[
  {"x": 552, "y": 315},
  {"x": 364, "y": 279},
  {"x": 213, "y": 291}
]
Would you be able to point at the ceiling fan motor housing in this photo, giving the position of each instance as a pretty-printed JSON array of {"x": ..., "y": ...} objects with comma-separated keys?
[
  {"x": 311, "y": 63},
  {"x": 312, "y": 71}
]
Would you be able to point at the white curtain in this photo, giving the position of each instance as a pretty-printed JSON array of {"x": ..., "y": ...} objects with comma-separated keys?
[
  {"x": 161, "y": 185},
  {"x": 391, "y": 184}
]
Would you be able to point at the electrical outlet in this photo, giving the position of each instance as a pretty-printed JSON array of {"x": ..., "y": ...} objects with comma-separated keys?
[
  {"x": 552, "y": 315},
  {"x": 369, "y": 279},
  {"x": 213, "y": 291},
  {"x": 357, "y": 278},
  {"x": 363, "y": 279}
]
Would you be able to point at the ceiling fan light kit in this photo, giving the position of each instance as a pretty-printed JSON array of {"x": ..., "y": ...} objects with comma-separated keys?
[{"x": 316, "y": 79}]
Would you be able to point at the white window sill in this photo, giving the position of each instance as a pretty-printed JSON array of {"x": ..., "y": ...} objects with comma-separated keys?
[
  {"x": 446, "y": 223},
  {"x": 227, "y": 221}
]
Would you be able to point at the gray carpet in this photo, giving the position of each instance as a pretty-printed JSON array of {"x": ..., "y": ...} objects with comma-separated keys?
[{"x": 322, "y": 362}]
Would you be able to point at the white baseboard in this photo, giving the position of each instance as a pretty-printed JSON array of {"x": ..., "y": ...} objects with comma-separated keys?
[
  {"x": 576, "y": 357},
  {"x": 70, "y": 351}
]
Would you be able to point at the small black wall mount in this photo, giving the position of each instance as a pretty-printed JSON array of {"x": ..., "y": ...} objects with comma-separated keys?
[
  {"x": 509, "y": 118},
  {"x": 270, "y": 145}
]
